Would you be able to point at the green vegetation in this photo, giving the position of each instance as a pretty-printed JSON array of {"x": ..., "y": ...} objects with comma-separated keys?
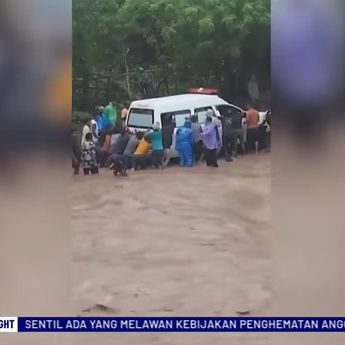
[
  {"x": 178, "y": 43},
  {"x": 80, "y": 117}
]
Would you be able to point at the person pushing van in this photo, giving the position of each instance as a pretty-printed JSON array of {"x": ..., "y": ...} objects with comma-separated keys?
[
  {"x": 184, "y": 144},
  {"x": 155, "y": 138},
  {"x": 197, "y": 145},
  {"x": 211, "y": 140}
]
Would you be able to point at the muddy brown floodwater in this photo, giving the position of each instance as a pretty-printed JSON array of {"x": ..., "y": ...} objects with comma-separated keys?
[{"x": 176, "y": 242}]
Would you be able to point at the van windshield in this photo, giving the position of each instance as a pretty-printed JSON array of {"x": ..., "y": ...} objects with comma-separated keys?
[{"x": 140, "y": 118}]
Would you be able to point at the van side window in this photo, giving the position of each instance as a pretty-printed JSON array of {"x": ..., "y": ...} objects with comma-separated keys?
[
  {"x": 225, "y": 110},
  {"x": 140, "y": 118},
  {"x": 201, "y": 113},
  {"x": 178, "y": 117}
]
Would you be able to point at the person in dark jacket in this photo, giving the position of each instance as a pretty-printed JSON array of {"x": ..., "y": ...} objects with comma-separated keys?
[
  {"x": 131, "y": 147},
  {"x": 116, "y": 157},
  {"x": 197, "y": 145},
  {"x": 168, "y": 127},
  {"x": 228, "y": 141},
  {"x": 237, "y": 118}
]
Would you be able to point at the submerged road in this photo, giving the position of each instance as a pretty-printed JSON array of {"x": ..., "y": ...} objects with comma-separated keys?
[{"x": 176, "y": 242}]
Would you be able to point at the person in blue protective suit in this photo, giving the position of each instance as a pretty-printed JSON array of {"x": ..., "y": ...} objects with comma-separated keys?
[{"x": 184, "y": 144}]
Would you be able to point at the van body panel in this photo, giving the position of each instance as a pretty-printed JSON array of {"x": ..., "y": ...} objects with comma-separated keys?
[{"x": 178, "y": 106}]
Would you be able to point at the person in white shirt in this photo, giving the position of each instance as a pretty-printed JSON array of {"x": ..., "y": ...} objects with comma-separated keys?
[
  {"x": 86, "y": 129},
  {"x": 94, "y": 128},
  {"x": 253, "y": 89}
]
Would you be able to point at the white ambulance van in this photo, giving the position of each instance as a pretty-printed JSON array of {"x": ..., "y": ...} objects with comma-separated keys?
[{"x": 144, "y": 113}]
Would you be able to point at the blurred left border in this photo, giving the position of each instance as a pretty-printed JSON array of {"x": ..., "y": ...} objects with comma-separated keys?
[{"x": 36, "y": 99}]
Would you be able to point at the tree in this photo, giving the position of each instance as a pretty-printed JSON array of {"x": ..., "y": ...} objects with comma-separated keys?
[{"x": 185, "y": 42}]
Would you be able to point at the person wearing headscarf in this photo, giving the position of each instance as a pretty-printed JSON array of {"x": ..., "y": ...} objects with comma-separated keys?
[
  {"x": 184, "y": 144},
  {"x": 211, "y": 140}
]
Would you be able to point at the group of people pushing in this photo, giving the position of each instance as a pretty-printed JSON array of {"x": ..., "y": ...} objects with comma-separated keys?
[
  {"x": 103, "y": 145},
  {"x": 240, "y": 133}
]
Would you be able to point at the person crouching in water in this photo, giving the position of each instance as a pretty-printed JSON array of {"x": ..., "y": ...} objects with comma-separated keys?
[
  {"x": 211, "y": 140},
  {"x": 184, "y": 144},
  {"x": 141, "y": 155},
  {"x": 88, "y": 157}
]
